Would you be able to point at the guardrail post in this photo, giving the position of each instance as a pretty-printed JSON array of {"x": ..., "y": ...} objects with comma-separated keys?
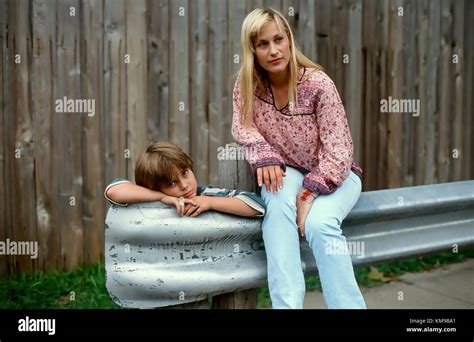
[{"x": 236, "y": 174}]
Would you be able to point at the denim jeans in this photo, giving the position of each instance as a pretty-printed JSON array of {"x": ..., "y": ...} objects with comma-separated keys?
[{"x": 322, "y": 229}]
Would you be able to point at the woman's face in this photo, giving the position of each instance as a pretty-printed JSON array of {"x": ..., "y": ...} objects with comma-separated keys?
[{"x": 272, "y": 48}]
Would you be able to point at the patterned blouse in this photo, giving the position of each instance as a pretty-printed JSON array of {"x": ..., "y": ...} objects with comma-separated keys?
[{"x": 316, "y": 139}]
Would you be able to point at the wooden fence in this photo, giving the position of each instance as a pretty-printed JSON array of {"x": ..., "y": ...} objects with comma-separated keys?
[{"x": 165, "y": 70}]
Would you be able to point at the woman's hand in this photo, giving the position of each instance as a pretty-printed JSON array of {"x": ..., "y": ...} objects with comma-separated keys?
[
  {"x": 303, "y": 206},
  {"x": 179, "y": 203},
  {"x": 203, "y": 203},
  {"x": 271, "y": 175}
]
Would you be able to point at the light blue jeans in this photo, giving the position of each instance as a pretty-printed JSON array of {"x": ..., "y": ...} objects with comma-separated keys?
[{"x": 322, "y": 229}]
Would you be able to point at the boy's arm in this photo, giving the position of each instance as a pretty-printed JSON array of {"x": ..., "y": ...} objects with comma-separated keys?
[
  {"x": 123, "y": 192},
  {"x": 237, "y": 202}
]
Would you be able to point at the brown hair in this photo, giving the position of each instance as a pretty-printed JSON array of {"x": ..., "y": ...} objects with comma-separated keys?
[{"x": 160, "y": 164}]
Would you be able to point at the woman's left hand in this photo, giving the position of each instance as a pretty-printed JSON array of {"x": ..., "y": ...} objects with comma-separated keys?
[{"x": 303, "y": 206}]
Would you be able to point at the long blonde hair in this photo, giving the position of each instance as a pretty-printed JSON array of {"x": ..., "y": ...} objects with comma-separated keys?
[{"x": 251, "y": 72}]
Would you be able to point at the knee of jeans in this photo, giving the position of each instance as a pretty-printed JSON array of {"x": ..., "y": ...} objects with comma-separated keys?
[
  {"x": 283, "y": 198},
  {"x": 322, "y": 226}
]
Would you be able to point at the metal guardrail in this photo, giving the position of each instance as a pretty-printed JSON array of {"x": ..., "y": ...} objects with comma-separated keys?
[{"x": 155, "y": 258}]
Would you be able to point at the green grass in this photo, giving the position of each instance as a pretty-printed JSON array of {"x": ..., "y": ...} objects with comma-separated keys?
[
  {"x": 84, "y": 288},
  {"x": 81, "y": 288},
  {"x": 381, "y": 274}
]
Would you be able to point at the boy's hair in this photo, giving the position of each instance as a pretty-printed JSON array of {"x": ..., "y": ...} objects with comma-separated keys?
[{"x": 160, "y": 164}]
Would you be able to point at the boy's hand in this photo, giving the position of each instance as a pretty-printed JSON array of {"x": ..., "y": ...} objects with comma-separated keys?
[
  {"x": 203, "y": 203},
  {"x": 179, "y": 203}
]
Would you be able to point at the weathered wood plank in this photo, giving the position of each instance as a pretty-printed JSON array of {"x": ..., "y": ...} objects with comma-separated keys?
[
  {"x": 421, "y": 79},
  {"x": 219, "y": 119},
  {"x": 307, "y": 29},
  {"x": 47, "y": 163},
  {"x": 22, "y": 168},
  {"x": 290, "y": 9},
  {"x": 444, "y": 158},
  {"x": 115, "y": 89},
  {"x": 92, "y": 87},
  {"x": 137, "y": 128},
  {"x": 395, "y": 90},
  {"x": 384, "y": 12},
  {"x": 200, "y": 69},
  {"x": 432, "y": 113},
  {"x": 371, "y": 93},
  {"x": 153, "y": 16},
  {"x": 409, "y": 93},
  {"x": 164, "y": 69},
  {"x": 179, "y": 123},
  {"x": 325, "y": 40},
  {"x": 353, "y": 98},
  {"x": 458, "y": 53},
  {"x": 468, "y": 136},
  {"x": 70, "y": 175},
  {"x": 5, "y": 151}
]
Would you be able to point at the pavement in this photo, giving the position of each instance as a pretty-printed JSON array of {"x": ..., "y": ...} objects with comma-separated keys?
[{"x": 447, "y": 287}]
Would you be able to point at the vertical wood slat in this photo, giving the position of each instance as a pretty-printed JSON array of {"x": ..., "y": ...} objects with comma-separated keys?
[
  {"x": 395, "y": 87},
  {"x": 409, "y": 66},
  {"x": 70, "y": 175},
  {"x": 46, "y": 134},
  {"x": 92, "y": 85},
  {"x": 444, "y": 158},
  {"x": 468, "y": 136},
  {"x": 382, "y": 170},
  {"x": 290, "y": 9},
  {"x": 115, "y": 96},
  {"x": 324, "y": 35},
  {"x": 163, "y": 50},
  {"x": 353, "y": 91},
  {"x": 336, "y": 46},
  {"x": 421, "y": 78},
  {"x": 153, "y": 9},
  {"x": 199, "y": 92},
  {"x": 219, "y": 123},
  {"x": 5, "y": 151},
  {"x": 23, "y": 195},
  {"x": 371, "y": 93},
  {"x": 432, "y": 110},
  {"x": 458, "y": 77},
  {"x": 137, "y": 137},
  {"x": 179, "y": 110},
  {"x": 307, "y": 28}
]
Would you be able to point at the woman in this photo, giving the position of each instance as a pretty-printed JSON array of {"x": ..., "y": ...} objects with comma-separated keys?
[{"x": 290, "y": 118}]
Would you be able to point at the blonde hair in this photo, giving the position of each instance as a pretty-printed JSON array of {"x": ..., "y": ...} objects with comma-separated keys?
[
  {"x": 160, "y": 164},
  {"x": 251, "y": 72}
]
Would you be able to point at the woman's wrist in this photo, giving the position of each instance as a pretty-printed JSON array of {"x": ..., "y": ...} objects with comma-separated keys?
[{"x": 307, "y": 195}]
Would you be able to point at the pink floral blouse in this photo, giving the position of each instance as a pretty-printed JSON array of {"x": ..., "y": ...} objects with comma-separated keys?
[{"x": 315, "y": 140}]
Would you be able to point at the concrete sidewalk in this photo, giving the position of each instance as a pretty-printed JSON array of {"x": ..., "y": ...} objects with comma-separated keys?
[{"x": 448, "y": 287}]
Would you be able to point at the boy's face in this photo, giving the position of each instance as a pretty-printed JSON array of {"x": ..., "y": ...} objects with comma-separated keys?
[{"x": 184, "y": 185}]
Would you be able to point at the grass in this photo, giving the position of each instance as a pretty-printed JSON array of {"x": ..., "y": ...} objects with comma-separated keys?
[
  {"x": 81, "y": 288},
  {"x": 84, "y": 288},
  {"x": 381, "y": 274}
]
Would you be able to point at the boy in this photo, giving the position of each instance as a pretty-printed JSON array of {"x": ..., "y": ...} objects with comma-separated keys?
[{"x": 165, "y": 173}]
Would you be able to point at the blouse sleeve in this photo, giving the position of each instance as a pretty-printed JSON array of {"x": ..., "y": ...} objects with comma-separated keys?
[
  {"x": 335, "y": 154},
  {"x": 257, "y": 151}
]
